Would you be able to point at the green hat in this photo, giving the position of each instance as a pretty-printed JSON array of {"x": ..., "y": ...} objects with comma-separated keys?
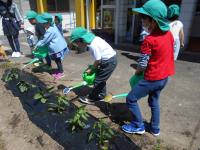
[
  {"x": 173, "y": 10},
  {"x": 31, "y": 14},
  {"x": 157, "y": 10},
  {"x": 40, "y": 19},
  {"x": 60, "y": 18},
  {"x": 82, "y": 33},
  {"x": 44, "y": 18}
]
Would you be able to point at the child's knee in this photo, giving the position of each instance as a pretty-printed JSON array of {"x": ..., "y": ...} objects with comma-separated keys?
[{"x": 131, "y": 99}]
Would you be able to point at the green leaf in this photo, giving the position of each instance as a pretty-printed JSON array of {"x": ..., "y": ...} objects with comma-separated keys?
[
  {"x": 43, "y": 100},
  {"x": 51, "y": 89},
  {"x": 51, "y": 109},
  {"x": 91, "y": 136},
  {"x": 37, "y": 96},
  {"x": 73, "y": 128}
]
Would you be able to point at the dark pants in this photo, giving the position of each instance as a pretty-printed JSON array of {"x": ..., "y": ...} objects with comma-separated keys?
[
  {"x": 14, "y": 42},
  {"x": 59, "y": 65},
  {"x": 48, "y": 60},
  {"x": 142, "y": 89},
  {"x": 104, "y": 71}
]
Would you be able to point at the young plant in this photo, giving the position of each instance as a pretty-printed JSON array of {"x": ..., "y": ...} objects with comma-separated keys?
[
  {"x": 102, "y": 133},
  {"x": 79, "y": 119},
  {"x": 43, "y": 95},
  {"x": 11, "y": 75},
  {"x": 60, "y": 105},
  {"x": 23, "y": 86}
]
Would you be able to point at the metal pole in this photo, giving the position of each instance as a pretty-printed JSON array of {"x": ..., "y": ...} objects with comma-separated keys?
[{"x": 87, "y": 14}]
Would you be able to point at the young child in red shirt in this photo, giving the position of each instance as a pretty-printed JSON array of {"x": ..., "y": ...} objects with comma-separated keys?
[{"x": 157, "y": 62}]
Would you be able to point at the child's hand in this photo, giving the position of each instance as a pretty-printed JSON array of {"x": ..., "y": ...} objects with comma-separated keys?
[
  {"x": 34, "y": 48},
  {"x": 182, "y": 45},
  {"x": 88, "y": 71}
]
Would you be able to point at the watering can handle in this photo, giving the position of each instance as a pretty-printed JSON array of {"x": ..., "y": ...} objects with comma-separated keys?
[
  {"x": 31, "y": 62},
  {"x": 79, "y": 84},
  {"x": 120, "y": 95}
]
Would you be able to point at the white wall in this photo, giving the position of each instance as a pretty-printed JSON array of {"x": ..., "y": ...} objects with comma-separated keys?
[{"x": 187, "y": 13}]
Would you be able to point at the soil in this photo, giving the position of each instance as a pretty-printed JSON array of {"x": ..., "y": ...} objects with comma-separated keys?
[{"x": 26, "y": 123}]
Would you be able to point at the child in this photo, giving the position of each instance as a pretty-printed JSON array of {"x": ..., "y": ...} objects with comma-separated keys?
[
  {"x": 58, "y": 21},
  {"x": 176, "y": 27},
  {"x": 55, "y": 42},
  {"x": 105, "y": 62},
  {"x": 157, "y": 62},
  {"x": 39, "y": 31}
]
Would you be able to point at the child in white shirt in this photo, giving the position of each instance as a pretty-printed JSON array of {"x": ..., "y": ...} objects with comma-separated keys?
[
  {"x": 105, "y": 61},
  {"x": 176, "y": 27}
]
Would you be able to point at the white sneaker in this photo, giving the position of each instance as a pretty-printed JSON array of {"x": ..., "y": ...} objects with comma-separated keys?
[
  {"x": 14, "y": 54},
  {"x": 18, "y": 54}
]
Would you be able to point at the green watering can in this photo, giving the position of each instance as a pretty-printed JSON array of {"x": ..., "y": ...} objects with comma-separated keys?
[
  {"x": 135, "y": 79},
  {"x": 40, "y": 53},
  {"x": 88, "y": 79}
]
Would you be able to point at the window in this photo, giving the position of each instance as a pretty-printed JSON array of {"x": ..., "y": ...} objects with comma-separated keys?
[
  {"x": 58, "y": 5},
  {"x": 108, "y": 2}
]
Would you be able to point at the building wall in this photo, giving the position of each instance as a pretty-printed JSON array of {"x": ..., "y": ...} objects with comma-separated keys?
[
  {"x": 187, "y": 13},
  {"x": 122, "y": 19}
]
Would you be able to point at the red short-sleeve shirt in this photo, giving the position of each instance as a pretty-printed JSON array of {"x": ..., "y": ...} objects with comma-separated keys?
[{"x": 161, "y": 63}]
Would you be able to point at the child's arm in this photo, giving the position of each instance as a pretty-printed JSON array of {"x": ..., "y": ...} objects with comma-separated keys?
[
  {"x": 144, "y": 56},
  {"x": 95, "y": 65},
  {"x": 47, "y": 38},
  {"x": 181, "y": 36}
]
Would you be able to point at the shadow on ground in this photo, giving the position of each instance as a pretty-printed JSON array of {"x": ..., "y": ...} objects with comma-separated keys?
[{"x": 54, "y": 124}]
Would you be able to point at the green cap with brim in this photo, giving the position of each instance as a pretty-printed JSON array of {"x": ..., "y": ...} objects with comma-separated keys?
[
  {"x": 81, "y": 33},
  {"x": 173, "y": 10},
  {"x": 44, "y": 18},
  {"x": 157, "y": 10},
  {"x": 31, "y": 15},
  {"x": 40, "y": 19},
  {"x": 60, "y": 18}
]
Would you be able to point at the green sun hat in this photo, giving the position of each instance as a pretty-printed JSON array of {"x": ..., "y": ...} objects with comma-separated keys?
[
  {"x": 81, "y": 33},
  {"x": 157, "y": 10},
  {"x": 44, "y": 18},
  {"x": 60, "y": 18},
  {"x": 31, "y": 14},
  {"x": 40, "y": 19},
  {"x": 173, "y": 10}
]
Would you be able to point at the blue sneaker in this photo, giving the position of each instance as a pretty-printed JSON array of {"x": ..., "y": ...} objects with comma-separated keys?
[
  {"x": 155, "y": 133},
  {"x": 130, "y": 128}
]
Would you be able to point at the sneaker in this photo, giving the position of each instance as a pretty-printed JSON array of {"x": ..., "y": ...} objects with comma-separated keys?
[
  {"x": 59, "y": 76},
  {"x": 17, "y": 54},
  {"x": 131, "y": 128},
  {"x": 86, "y": 100},
  {"x": 155, "y": 133},
  {"x": 13, "y": 54}
]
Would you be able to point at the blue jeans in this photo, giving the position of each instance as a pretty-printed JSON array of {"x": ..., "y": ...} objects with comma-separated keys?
[{"x": 142, "y": 89}]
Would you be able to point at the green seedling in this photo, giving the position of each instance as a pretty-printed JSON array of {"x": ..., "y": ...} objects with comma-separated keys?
[
  {"x": 23, "y": 86},
  {"x": 43, "y": 95},
  {"x": 78, "y": 122},
  {"x": 60, "y": 105},
  {"x": 102, "y": 133},
  {"x": 11, "y": 75}
]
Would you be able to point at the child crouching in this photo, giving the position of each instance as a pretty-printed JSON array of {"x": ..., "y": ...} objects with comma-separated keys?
[{"x": 54, "y": 41}]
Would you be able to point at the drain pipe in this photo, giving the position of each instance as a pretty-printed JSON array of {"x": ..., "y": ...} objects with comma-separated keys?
[{"x": 87, "y": 14}]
